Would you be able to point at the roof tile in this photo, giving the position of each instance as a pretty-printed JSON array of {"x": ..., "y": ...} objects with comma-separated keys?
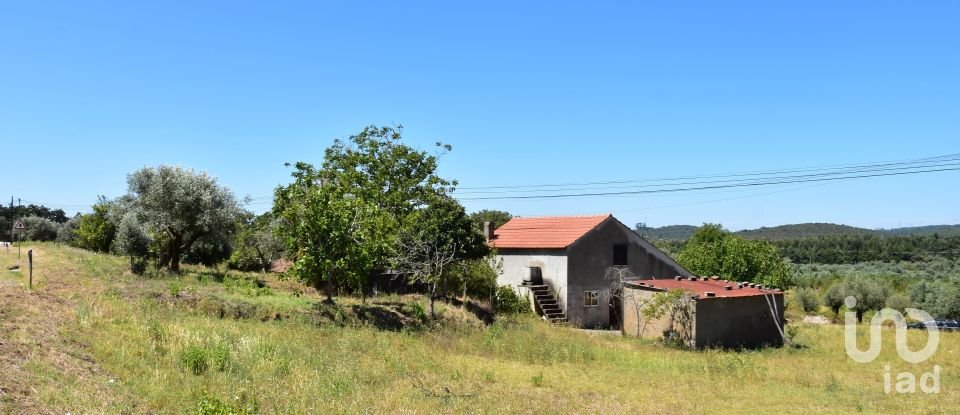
[{"x": 549, "y": 232}]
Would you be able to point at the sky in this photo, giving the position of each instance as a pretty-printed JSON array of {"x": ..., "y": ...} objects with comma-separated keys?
[{"x": 525, "y": 92}]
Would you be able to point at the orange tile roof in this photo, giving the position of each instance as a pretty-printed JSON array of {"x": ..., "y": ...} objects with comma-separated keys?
[
  {"x": 544, "y": 232},
  {"x": 702, "y": 285}
]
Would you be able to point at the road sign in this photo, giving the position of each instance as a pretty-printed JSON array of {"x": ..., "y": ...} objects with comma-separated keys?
[{"x": 19, "y": 225}]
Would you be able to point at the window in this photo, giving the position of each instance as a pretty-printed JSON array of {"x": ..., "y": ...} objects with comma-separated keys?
[
  {"x": 591, "y": 298},
  {"x": 620, "y": 254}
]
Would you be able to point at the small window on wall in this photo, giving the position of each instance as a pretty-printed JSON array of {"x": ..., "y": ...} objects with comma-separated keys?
[
  {"x": 591, "y": 298},
  {"x": 620, "y": 254}
]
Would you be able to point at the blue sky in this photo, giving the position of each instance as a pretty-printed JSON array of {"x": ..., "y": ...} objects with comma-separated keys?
[{"x": 526, "y": 93}]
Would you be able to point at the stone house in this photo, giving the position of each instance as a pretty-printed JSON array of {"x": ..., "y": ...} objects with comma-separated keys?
[{"x": 563, "y": 264}]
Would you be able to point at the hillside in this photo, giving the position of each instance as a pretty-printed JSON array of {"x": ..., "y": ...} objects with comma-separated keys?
[
  {"x": 803, "y": 230},
  {"x": 92, "y": 338}
]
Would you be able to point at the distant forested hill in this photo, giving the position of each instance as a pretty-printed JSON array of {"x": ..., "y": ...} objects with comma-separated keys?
[{"x": 802, "y": 231}]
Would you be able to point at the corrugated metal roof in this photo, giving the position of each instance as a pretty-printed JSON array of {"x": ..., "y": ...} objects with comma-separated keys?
[
  {"x": 548, "y": 232},
  {"x": 703, "y": 285}
]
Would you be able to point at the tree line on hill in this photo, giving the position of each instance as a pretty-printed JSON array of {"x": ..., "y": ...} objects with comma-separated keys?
[{"x": 854, "y": 249}]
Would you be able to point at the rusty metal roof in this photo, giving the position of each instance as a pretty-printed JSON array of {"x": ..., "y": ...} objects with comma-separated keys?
[
  {"x": 704, "y": 287},
  {"x": 549, "y": 232}
]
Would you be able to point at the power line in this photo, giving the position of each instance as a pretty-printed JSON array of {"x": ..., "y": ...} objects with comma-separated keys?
[
  {"x": 906, "y": 166},
  {"x": 721, "y": 186},
  {"x": 735, "y": 174}
]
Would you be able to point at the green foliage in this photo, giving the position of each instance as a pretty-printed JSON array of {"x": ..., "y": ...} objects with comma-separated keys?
[
  {"x": 95, "y": 231},
  {"x": 537, "y": 380},
  {"x": 496, "y": 217},
  {"x": 68, "y": 232},
  {"x": 194, "y": 359},
  {"x": 40, "y": 229},
  {"x": 714, "y": 251},
  {"x": 243, "y": 405},
  {"x": 662, "y": 303},
  {"x": 899, "y": 302},
  {"x": 257, "y": 245},
  {"x": 249, "y": 287},
  {"x": 808, "y": 298},
  {"x": 181, "y": 206},
  {"x": 864, "y": 248},
  {"x": 9, "y": 215},
  {"x": 478, "y": 275},
  {"x": 939, "y": 297},
  {"x": 132, "y": 240},
  {"x": 342, "y": 221},
  {"x": 509, "y": 302},
  {"x": 870, "y": 295}
]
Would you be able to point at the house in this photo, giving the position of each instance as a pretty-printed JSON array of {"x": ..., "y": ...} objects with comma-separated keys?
[
  {"x": 564, "y": 264},
  {"x": 711, "y": 313}
]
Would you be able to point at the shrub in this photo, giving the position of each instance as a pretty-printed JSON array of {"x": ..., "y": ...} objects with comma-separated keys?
[
  {"x": 220, "y": 357},
  {"x": 808, "y": 299},
  {"x": 243, "y": 405},
  {"x": 95, "y": 231},
  {"x": 195, "y": 359},
  {"x": 68, "y": 231},
  {"x": 509, "y": 302},
  {"x": 249, "y": 287},
  {"x": 40, "y": 229},
  {"x": 898, "y": 302}
]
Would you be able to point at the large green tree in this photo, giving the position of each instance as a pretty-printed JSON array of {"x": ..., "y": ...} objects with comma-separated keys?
[
  {"x": 496, "y": 217},
  {"x": 714, "y": 251},
  {"x": 181, "y": 206},
  {"x": 344, "y": 219}
]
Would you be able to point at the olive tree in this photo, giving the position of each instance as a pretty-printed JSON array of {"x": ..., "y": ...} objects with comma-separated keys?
[{"x": 181, "y": 206}]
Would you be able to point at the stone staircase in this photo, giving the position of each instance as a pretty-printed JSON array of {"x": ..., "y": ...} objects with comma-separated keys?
[{"x": 547, "y": 304}]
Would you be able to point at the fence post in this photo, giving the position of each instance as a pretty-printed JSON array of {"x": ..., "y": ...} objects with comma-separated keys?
[{"x": 30, "y": 265}]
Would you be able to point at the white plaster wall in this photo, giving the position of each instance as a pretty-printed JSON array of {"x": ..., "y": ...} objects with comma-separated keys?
[{"x": 553, "y": 265}]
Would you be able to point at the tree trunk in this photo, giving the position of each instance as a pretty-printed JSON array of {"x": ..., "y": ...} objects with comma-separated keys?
[
  {"x": 859, "y": 316},
  {"x": 329, "y": 289},
  {"x": 175, "y": 250},
  {"x": 433, "y": 295}
]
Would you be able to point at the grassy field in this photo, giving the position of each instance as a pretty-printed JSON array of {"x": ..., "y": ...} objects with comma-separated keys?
[{"x": 92, "y": 338}]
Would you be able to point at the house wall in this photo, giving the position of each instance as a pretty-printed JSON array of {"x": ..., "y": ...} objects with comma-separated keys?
[
  {"x": 635, "y": 324},
  {"x": 738, "y": 321},
  {"x": 516, "y": 265},
  {"x": 707, "y": 322},
  {"x": 589, "y": 260}
]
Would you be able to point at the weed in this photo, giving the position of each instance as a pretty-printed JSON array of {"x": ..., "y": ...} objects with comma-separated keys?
[
  {"x": 537, "y": 380},
  {"x": 195, "y": 359}
]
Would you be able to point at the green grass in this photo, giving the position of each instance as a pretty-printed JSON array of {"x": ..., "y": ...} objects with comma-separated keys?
[{"x": 171, "y": 354}]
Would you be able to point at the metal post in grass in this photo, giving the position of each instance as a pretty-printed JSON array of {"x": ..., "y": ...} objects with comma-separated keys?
[{"x": 30, "y": 265}]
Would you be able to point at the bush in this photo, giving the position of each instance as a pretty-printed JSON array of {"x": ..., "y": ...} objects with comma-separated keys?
[
  {"x": 808, "y": 299},
  {"x": 509, "y": 302},
  {"x": 898, "y": 302},
  {"x": 195, "y": 359},
  {"x": 95, "y": 231},
  {"x": 40, "y": 229},
  {"x": 68, "y": 231}
]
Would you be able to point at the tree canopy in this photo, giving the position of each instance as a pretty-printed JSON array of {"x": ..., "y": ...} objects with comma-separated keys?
[
  {"x": 715, "y": 251},
  {"x": 180, "y": 206}
]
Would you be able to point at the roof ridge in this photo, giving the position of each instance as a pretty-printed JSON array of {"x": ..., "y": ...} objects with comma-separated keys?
[{"x": 564, "y": 216}]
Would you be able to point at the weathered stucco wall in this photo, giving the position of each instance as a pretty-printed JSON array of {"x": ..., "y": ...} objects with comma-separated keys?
[
  {"x": 552, "y": 263},
  {"x": 591, "y": 257},
  {"x": 634, "y": 324},
  {"x": 738, "y": 321},
  {"x": 708, "y": 322}
]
